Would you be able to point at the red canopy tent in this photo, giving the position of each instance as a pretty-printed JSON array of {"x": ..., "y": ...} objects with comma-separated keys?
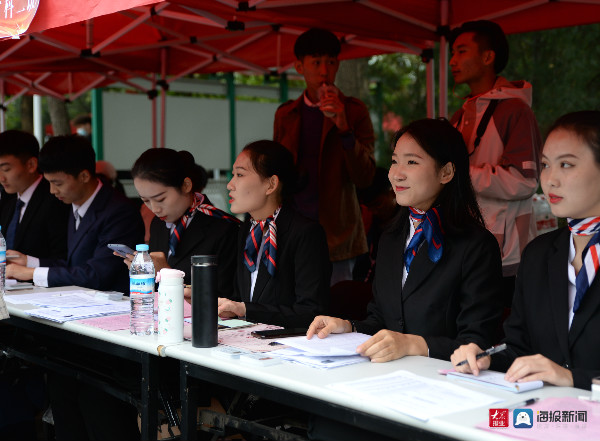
[{"x": 94, "y": 45}]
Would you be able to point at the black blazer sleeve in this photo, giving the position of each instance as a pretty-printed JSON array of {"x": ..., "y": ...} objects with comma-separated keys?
[
  {"x": 110, "y": 219},
  {"x": 300, "y": 289},
  {"x": 42, "y": 231},
  {"x": 538, "y": 323},
  {"x": 449, "y": 303},
  {"x": 204, "y": 235},
  {"x": 478, "y": 297}
]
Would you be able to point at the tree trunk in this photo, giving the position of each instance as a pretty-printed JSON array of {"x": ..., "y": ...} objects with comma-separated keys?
[
  {"x": 352, "y": 79},
  {"x": 58, "y": 116},
  {"x": 27, "y": 113}
]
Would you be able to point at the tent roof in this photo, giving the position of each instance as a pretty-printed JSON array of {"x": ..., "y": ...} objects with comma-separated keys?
[{"x": 98, "y": 46}]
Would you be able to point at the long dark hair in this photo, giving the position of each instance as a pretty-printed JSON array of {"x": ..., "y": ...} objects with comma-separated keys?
[
  {"x": 168, "y": 167},
  {"x": 269, "y": 158},
  {"x": 444, "y": 143}
]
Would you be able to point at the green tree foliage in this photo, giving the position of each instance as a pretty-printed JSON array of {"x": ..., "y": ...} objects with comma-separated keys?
[
  {"x": 82, "y": 104},
  {"x": 562, "y": 64},
  {"x": 564, "y": 67},
  {"x": 401, "y": 81}
]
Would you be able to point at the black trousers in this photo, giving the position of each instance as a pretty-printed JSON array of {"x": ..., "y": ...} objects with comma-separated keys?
[{"x": 83, "y": 412}]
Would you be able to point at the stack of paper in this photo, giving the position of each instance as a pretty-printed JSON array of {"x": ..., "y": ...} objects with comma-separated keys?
[
  {"x": 413, "y": 395},
  {"x": 14, "y": 285},
  {"x": 495, "y": 379},
  {"x": 70, "y": 305},
  {"x": 333, "y": 351}
]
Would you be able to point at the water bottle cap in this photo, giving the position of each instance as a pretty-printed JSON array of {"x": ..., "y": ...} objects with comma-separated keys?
[{"x": 142, "y": 247}]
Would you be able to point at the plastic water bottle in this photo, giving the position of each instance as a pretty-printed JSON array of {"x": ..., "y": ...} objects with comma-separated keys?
[
  {"x": 141, "y": 292},
  {"x": 2, "y": 265}
]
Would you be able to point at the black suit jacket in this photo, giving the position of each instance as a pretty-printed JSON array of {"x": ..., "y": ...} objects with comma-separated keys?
[
  {"x": 539, "y": 319},
  {"x": 42, "y": 231},
  {"x": 90, "y": 263},
  {"x": 204, "y": 235},
  {"x": 452, "y": 302},
  {"x": 300, "y": 289}
]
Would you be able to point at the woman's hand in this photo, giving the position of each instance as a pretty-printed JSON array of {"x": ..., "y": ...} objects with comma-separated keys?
[
  {"x": 469, "y": 352},
  {"x": 159, "y": 260},
  {"x": 390, "y": 345},
  {"x": 127, "y": 259},
  {"x": 538, "y": 367},
  {"x": 187, "y": 293},
  {"x": 229, "y": 308},
  {"x": 324, "y": 325}
]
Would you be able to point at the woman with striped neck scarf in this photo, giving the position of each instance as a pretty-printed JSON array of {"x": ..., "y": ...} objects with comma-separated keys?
[
  {"x": 438, "y": 269},
  {"x": 185, "y": 223},
  {"x": 553, "y": 332},
  {"x": 283, "y": 267}
]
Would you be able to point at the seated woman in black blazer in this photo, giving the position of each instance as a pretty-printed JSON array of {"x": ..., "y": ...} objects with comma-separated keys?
[
  {"x": 553, "y": 331},
  {"x": 186, "y": 224},
  {"x": 283, "y": 266},
  {"x": 438, "y": 269}
]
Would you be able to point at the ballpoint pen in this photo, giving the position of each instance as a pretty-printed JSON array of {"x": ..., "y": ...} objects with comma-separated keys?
[
  {"x": 490, "y": 351},
  {"x": 525, "y": 403}
]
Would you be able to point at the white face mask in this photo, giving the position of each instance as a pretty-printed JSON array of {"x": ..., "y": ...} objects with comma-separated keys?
[{"x": 81, "y": 131}]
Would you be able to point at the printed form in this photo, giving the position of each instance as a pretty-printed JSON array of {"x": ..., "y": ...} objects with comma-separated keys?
[{"x": 419, "y": 397}]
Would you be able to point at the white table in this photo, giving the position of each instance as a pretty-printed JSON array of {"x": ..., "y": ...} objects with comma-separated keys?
[
  {"x": 295, "y": 385},
  {"x": 305, "y": 388},
  {"x": 144, "y": 350}
]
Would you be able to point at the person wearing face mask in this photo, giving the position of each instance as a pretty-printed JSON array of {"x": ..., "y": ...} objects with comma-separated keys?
[
  {"x": 283, "y": 270},
  {"x": 83, "y": 126},
  {"x": 185, "y": 222}
]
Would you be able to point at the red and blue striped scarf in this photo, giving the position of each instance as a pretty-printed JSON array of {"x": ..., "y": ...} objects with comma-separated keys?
[
  {"x": 430, "y": 230},
  {"x": 254, "y": 239},
  {"x": 589, "y": 226},
  {"x": 197, "y": 205}
]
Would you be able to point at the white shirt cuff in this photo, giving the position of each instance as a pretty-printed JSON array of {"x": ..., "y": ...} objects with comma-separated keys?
[
  {"x": 33, "y": 262},
  {"x": 40, "y": 276}
]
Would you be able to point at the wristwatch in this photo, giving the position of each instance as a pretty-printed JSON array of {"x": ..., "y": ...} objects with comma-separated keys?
[{"x": 353, "y": 324}]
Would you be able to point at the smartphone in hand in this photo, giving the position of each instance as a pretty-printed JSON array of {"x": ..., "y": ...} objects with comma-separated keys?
[
  {"x": 120, "y": 249},
  {"x": 278, "y": 333}
]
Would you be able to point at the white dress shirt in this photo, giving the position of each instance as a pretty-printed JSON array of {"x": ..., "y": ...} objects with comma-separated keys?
[{"x": 40, "y": 273}]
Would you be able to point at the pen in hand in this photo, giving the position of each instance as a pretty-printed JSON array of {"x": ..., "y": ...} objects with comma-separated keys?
[{"x": 490, "y": 351}]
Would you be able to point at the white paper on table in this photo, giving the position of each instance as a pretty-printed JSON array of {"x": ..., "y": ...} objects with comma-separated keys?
[
  {"x": 413, "y": 395},
  {"x": 58, "y": 299},
  {"x": 495, "y": 379},
  {"x": 18, "y": 286},
  {"x": 61, "y": 315},
  {"x": 317, "y": 361},
  {"x": 333, "y": 345}
]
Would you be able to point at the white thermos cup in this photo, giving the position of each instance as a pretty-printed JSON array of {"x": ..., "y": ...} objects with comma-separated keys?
[{"x": 170, "y": 306}]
